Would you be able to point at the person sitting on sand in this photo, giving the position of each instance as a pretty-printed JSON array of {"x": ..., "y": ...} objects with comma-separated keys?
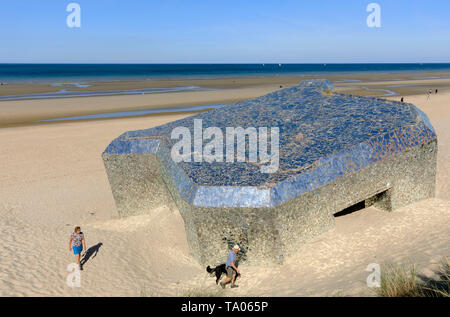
[
  {"x": 77, "y": 243},
  {"x": 232, "y": 270}
]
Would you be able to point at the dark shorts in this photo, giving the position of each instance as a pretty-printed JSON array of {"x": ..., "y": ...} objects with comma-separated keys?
[{"x": 230, "y": 271}]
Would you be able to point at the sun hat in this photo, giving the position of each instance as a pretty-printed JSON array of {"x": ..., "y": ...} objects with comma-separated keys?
[{"x": 236, "y": 247}]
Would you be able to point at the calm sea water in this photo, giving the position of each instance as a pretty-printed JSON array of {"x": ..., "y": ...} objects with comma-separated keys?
[{"x": 86, "y": 72}]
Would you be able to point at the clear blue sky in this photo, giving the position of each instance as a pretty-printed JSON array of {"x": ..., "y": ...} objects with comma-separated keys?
[{"x": 224, "y": 31}]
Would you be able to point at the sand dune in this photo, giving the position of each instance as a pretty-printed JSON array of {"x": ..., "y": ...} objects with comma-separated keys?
[{"x": 52, "y": 178}]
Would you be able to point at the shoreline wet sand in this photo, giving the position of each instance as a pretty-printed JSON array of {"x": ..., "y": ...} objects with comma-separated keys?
[{"x": 217, "y": 90}]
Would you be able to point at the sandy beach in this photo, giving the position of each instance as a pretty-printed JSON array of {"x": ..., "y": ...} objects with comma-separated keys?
[{"x": 52, "y": 178}]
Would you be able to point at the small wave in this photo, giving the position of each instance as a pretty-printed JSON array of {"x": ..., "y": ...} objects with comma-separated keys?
[
  {"x": 387, "y": 92},
  {"x": 77, "y": 85},
  {"x": 348, "y": 81},
  {"x": 431, "y": 77}
]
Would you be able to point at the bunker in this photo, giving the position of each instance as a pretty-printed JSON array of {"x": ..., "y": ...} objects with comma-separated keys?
[{"x": 335, "y": 151}]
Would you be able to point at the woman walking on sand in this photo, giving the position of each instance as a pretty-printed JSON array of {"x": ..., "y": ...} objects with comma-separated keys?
[{"x": 77, "y": 243}]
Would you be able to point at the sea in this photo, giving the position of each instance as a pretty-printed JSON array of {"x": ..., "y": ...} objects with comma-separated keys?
[{"x": 79, "y": 73}]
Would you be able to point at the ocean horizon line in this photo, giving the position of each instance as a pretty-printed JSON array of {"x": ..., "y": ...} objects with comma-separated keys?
[
  {"x": 222, "y": 63},
  {"x": 82, "y": 72}
]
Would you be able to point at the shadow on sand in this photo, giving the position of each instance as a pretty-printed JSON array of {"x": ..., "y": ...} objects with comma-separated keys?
[{"x": 91, "y": 252}]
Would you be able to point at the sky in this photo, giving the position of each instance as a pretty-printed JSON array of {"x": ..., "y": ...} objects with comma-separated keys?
[{"x": 219, "y": 31}]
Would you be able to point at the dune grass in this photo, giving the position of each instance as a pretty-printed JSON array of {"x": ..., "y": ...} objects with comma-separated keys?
[
  {"x": 404, "y": 281},
  {"x": 398, "y": 281}
]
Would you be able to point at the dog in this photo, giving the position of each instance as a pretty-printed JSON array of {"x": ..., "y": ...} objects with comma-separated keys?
[{"x": 218, "y": 271}]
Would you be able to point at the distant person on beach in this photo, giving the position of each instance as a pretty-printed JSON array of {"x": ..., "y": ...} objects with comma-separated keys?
[
  {"x": 436, "y": 91},
  {"x": 77, "y": 243},
  {"x": 402, "y": 100},
  {"x": 231, "y": 268}
]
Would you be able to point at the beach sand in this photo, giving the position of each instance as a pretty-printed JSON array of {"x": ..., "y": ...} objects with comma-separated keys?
[
  {"x": 20, "y": 112},
  {"x": 52, "y": 178},
  {"x": 27, "y": 111}
]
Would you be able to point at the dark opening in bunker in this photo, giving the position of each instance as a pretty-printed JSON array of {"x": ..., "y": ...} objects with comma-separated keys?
[
  {"x": 351, "y": 209},
  {"x": 380, "y": 200}
]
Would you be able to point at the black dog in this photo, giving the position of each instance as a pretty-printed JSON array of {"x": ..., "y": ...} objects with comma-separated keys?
[{"x": 218, "y": 271}]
